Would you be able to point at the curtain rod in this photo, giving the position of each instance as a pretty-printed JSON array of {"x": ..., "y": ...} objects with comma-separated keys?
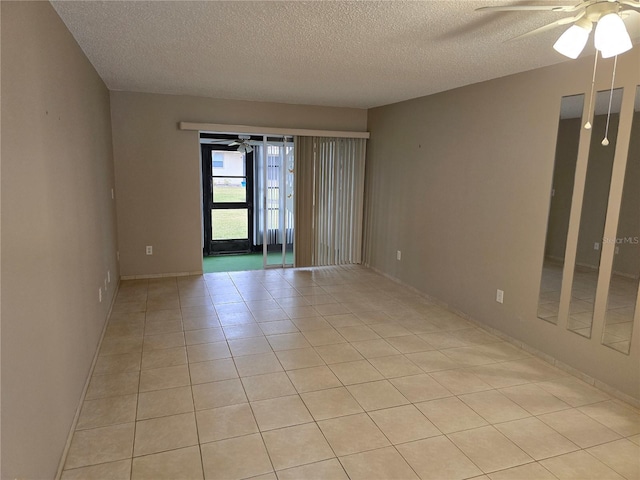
[{"x": 222, "y": 128}]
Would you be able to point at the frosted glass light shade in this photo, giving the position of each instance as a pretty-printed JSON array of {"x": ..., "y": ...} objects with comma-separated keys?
[
  {"x": 611, "y": 36},
  {"x": 572, "y": 41}
]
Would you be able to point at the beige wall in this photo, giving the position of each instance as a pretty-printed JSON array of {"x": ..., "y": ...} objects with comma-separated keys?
[
  {"x": 58, "y": 233},
  {"x": 158, "y": 169},
  {"x": 460, "y": 182}
]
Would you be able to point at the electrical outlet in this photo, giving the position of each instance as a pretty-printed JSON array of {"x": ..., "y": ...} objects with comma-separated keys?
[
  {"x": 398, "y": 255},
  {"x": 100, "y": 295},
  {"x": 500, "y": 296},
  {"x": 149, "y": 250},
  {"x": 596, "y": 246},
  {"x": 617, "y": 250}
]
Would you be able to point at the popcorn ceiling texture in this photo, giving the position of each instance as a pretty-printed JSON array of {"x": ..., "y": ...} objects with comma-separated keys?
[{"x": 335, "y": 53}]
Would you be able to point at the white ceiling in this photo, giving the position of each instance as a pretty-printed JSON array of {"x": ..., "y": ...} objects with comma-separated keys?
[{"x": 335, "y": 53}]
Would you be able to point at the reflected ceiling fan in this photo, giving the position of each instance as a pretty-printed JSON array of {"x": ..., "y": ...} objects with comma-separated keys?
[
  {"x": 243, "y": 144},
  {"x": 611, "y": 37}
]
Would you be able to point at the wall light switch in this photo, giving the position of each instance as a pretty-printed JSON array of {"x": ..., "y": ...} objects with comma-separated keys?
[
  {"x": 149, "y": 250},
  {"x": 398, "y": 255},
  {"x": 596, "y": 246},
  {"x": 500, "y": 296}
]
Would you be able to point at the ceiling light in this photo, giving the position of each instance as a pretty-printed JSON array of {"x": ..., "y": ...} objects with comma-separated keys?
[
  {"x": 244, "y": 147},
  {"x": 572, "y": 42},
  {"x": 611, "y": 36}
]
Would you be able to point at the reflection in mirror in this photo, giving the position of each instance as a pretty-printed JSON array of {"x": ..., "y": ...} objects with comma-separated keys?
[
  {"x": 594, "y": 211},
  {"x": 625, "y": 277},
  {"x": 560, "y": 206}
]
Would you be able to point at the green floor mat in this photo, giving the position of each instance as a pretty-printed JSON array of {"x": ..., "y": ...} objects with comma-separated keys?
[{"x": 239, "y": 263}]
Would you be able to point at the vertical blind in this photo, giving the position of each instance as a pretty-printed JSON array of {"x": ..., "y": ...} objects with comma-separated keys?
[{"x": 329, "y": 200}]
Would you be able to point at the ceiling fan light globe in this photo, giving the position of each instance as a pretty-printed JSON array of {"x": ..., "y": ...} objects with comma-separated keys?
[
  {"x": 572, "y": 41},
  {"x": 611, "y": 36},
  {"x": 620, "y": 49}
]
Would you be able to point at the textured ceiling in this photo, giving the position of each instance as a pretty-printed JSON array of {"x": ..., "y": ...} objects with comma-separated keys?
[{"x": 335, "y": 53}]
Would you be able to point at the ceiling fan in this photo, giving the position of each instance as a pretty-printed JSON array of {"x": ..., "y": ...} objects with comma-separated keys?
[
  {"x": 243, "y": 144},
  {"x": 611, "y": 37}
]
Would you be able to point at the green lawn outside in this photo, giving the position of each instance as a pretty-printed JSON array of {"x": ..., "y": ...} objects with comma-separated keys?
[
  {"x": 233, "y": 224},
  {"x": 224, "y": 193},
  {"x": 229, "y": 224}
]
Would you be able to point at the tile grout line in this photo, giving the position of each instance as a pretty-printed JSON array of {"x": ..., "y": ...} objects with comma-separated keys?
[
  {"x": 462, "y": 367},
  {"x": 135, "y": 419}
]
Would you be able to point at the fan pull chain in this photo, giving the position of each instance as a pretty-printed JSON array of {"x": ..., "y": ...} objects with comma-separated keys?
[
  {"x": 605, "y": 140},
  {"x": 587, "y": 125}
]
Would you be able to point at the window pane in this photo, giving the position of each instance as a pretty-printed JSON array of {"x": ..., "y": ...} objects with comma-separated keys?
[
  {"x": 229, "y": 189},
  {"x": 232, "y": 224},
  {"x": 228, "y": 164}
]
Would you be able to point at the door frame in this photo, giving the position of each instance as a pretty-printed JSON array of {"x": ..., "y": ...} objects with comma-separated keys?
[{"x": 218, "y": 247}]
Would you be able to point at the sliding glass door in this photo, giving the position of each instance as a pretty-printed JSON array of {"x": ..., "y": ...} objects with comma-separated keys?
[{"x": 274, "y": 188}]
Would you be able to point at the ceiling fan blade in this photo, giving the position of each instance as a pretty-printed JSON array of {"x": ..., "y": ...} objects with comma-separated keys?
[
  {"x": 533, "y": 8},
  {"x": 549, "y": 26},
  {"x": 235, "y": 142},
  {"x": 630, "y": 4}
]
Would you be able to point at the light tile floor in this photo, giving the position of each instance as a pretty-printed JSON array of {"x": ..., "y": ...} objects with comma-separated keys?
[
  {"x": 330, "y": 373},
  {"x": 623, "y": 291}
]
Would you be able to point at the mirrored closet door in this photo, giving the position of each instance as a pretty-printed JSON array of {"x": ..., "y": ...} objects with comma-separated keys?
[
  {"x": 625, "y": 276},
  {"x": 561, "y": 195}
]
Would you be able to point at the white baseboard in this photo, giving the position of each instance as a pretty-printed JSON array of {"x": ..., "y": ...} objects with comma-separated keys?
[
  {"x": 160, "y": 275},
  {"x": 74, "y": 423}
]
